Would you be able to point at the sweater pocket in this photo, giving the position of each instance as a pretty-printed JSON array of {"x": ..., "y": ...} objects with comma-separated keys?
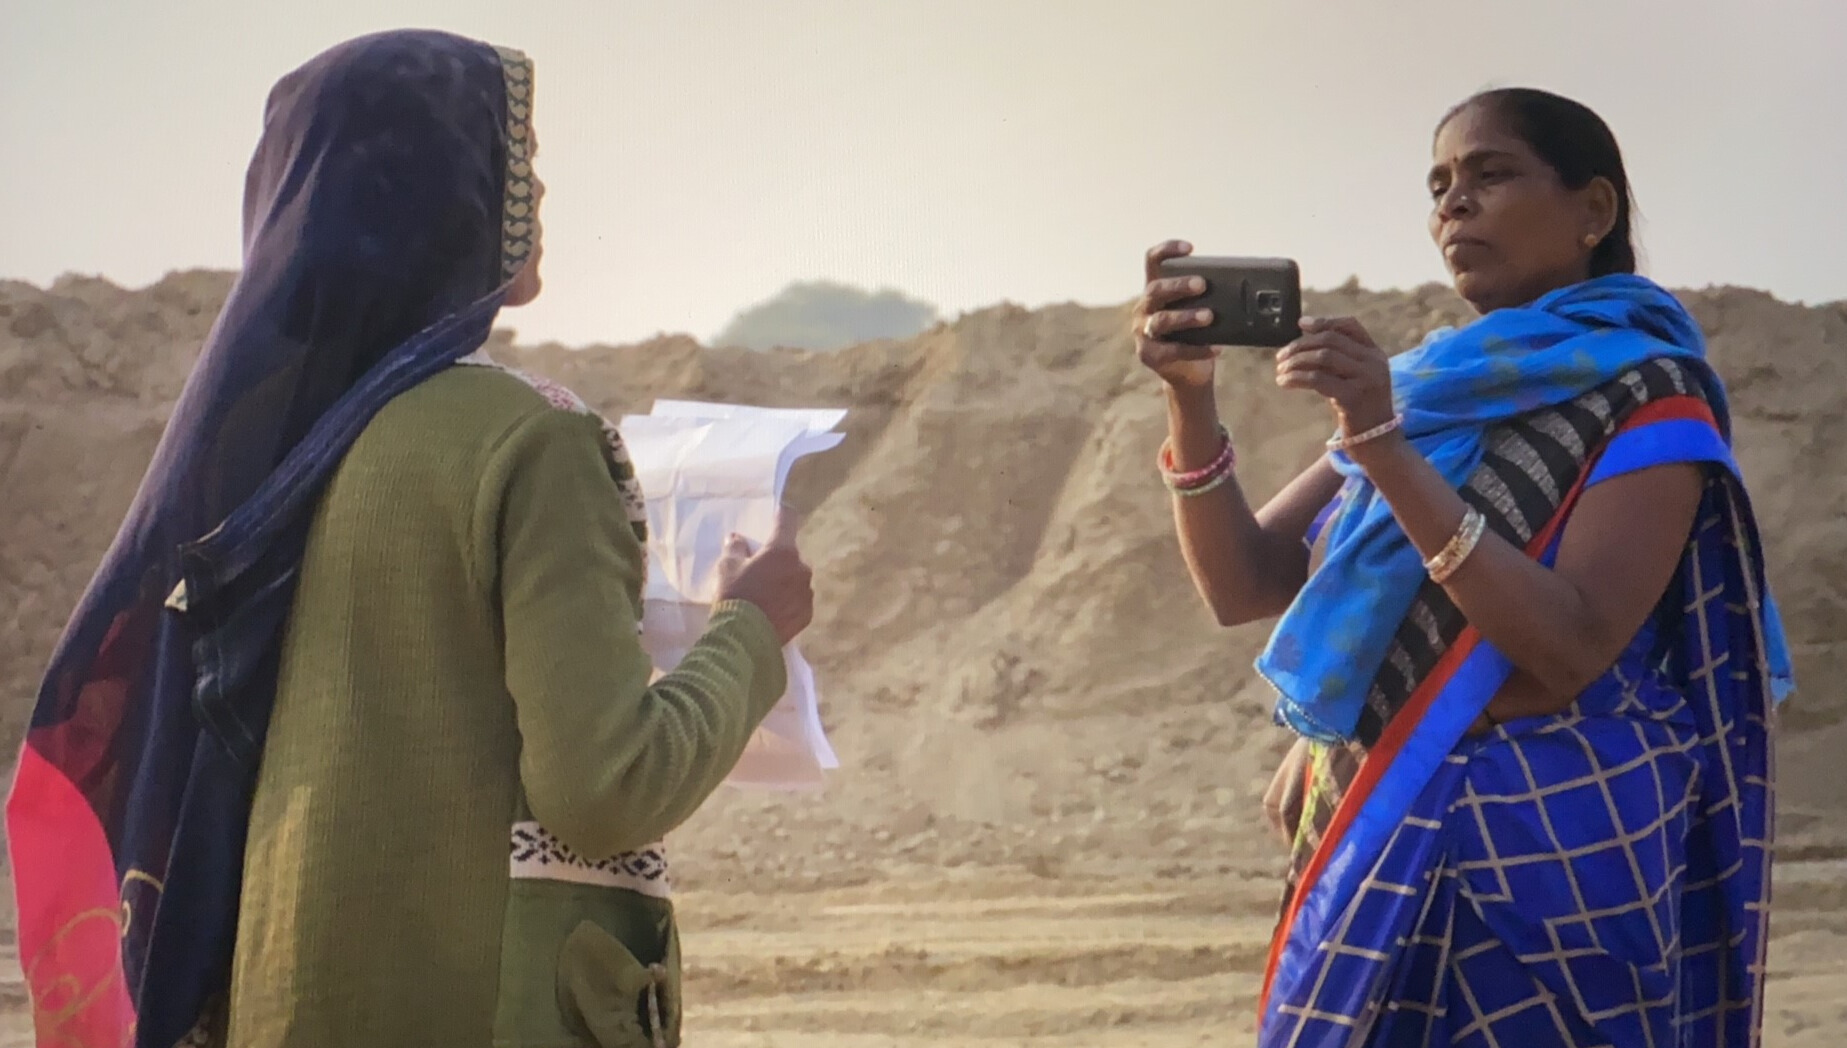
[
  {"x": 608, "y": 995},
  {"x": 587, "y": 967}
]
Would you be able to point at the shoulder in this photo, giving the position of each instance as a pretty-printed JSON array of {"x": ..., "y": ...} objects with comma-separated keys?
[
  {"x": 461, "y": 401},
  {"x": 475, "y": 428},
  {"x": 480, "y": 409},
  {"x": 1668, "y": 377},
  {"x": 543, "y": 466}
]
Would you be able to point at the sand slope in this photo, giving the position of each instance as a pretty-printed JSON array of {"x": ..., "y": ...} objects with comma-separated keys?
[{"x": 1046, "y": 824}]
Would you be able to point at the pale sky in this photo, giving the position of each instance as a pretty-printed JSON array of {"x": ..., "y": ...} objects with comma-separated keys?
[{"x": 703, "y": 154}]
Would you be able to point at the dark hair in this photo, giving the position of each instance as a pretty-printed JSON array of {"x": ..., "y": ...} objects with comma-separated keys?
[{"x": 1578, "y": 145}]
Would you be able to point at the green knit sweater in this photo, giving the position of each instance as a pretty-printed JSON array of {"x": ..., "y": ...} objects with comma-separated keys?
[{"x": 463, "y": 656}]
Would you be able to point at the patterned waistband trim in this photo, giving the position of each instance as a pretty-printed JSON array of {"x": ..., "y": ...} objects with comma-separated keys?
[{"x": 537, "y": 854}]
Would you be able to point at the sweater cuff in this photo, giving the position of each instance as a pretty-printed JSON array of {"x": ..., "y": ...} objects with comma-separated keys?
[{"x": 769, "y": 676}]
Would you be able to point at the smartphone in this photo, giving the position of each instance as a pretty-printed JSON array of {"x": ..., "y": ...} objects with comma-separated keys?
[{"x": 1254, "y": 301}]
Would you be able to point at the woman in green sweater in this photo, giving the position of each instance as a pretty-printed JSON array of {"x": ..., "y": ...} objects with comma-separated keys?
[{"x": 356, "y": 713}]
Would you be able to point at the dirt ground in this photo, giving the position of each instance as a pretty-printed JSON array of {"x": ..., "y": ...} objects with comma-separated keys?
[{"x": 916, "y": 959}]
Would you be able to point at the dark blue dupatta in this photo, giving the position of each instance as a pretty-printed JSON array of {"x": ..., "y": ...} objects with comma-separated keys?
[{"x": 386, "y": 209}]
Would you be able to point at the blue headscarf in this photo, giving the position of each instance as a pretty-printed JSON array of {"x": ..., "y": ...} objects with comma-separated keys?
[
  {"x": 386, "y": 209},
  {"x": 1328, "y": 646}
]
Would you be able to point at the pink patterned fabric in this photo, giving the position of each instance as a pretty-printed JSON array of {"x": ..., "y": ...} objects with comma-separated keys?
[{"x": 70, "y": 910}]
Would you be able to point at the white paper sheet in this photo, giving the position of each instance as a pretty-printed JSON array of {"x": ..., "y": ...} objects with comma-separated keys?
[{"x": 709, "y": 470}]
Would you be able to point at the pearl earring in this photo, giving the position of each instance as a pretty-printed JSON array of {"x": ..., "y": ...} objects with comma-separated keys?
[{"x": 1590, "y": 239}]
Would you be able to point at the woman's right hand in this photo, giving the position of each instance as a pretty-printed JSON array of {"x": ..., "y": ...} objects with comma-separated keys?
[
  {"x": 1179, "y": 364},
  {"x": 774, "y": 578}
]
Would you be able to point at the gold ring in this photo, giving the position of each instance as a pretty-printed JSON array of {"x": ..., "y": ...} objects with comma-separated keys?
[{"x": 1148, "y": 328}]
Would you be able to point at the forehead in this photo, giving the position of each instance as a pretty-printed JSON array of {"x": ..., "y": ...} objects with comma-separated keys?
[{"x": 1475, "y": 131}]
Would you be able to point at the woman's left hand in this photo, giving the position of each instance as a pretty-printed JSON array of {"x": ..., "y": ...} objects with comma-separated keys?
[{"x": 1339, "y": 360}]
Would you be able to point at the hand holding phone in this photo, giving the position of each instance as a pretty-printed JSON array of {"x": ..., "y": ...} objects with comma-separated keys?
[
  {"x": 1253, "y": 301},
  {"x": 1179, "y": 365},
  {"x": 1193, "y": 306}
]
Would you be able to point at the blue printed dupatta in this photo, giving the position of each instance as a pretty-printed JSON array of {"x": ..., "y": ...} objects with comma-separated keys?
[{"x": 1596, "y": 877}]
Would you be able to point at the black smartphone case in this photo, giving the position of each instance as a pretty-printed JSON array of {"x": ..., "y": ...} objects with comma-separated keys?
[{"x": 1254, "y": 301}]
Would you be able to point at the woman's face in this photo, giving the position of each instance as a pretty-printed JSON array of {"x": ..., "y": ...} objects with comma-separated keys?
[
  {"x": 1508, "y": 228},
  {"x": 529, "y": 283}
]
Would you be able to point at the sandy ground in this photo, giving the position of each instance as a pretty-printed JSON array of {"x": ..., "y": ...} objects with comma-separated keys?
[
  {"x": 1003, "y": 957},
  {"x": 1009, "y": 959}
]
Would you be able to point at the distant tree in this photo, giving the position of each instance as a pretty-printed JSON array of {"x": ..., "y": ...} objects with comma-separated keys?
[{"x": 824, "y": 315}]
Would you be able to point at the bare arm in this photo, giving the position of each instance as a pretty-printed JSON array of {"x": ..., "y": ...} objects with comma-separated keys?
[
  {"x": 1247, "y": 566},
  {"x": 1563, "y": 626}
]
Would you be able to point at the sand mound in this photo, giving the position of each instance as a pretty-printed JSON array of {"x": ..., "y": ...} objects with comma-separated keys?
[{"x": 1015, "y": 667}]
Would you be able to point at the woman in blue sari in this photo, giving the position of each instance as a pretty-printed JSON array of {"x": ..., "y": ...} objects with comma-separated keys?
[{"x": 1525, "y": 645}]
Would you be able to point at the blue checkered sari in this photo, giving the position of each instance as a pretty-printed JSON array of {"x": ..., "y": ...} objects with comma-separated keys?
[{"x": 1596, "y": 877}]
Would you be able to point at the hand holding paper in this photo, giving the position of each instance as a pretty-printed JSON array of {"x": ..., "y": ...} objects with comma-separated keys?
[
  {"x": 773, "y": 578},
  {"x": 711, "y": 471}
]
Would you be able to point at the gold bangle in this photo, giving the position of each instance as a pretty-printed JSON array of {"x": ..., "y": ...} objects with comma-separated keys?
[{"x": 1451, "y": 557}]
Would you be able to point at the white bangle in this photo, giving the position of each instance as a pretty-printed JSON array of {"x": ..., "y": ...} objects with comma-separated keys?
[
  {"x": 1354, "y": 441},
  {"x": 1452, "y": 556}
]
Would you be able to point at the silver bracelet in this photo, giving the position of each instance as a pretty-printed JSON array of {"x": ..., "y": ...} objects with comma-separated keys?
[{"x": 1354, "y": 441}]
